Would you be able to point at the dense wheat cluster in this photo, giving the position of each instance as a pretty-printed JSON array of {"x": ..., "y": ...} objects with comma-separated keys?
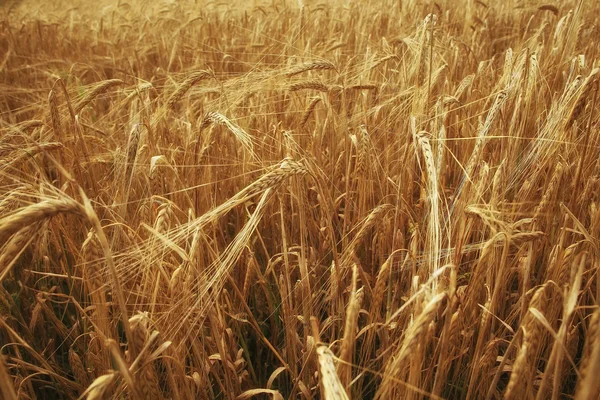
[{"x": 348, "y": 200}]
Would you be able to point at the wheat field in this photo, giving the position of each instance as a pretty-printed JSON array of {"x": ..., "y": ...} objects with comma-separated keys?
[{"x": 395, "y": 199}]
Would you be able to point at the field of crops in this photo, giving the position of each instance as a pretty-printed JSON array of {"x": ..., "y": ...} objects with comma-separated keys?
[{"x": 393, "y": 199}]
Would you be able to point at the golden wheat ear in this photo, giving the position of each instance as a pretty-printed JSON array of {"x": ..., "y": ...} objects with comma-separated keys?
[{"x": 331, "y": 386}]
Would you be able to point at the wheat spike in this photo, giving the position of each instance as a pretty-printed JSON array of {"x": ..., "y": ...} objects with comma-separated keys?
[
  {"x": 309, "y": 110},
  {"x": 94, "y": 92},
  {"x": 331, "y": 386},
  {"x": 321, "y": 65},
  {"x": 35, "y": 213},
  {"x": 190, "y": 81}
]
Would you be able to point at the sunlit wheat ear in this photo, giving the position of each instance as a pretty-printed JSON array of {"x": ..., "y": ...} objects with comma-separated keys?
[
  {"x": 182, "y": 89},
  {"x": 163, "y": 218},
  {"x": 363, "y": 229},
  {"x": 481, "y": 137},
  {"x": 523, "y": 366},
  {"x": 13, "y": 247},
  {"x": 132, "y": 151},
  {"x": 463, "y": 86},
  {"x": 381, "y": 286},
  {"x": 331, "y": 387},
  {"x": 550, "y": 192},
  {"x": 55, "y": 115},
  {"x": 425, "y": 38},
  {"x": 159, "y": 174},
  {"x": 274, "y": 178},
  {"x": 92, "y": 259},
  {"x": 36, "y": 213},
  {"x": 348, "y": 341},
  {"x": 583, "y": 97},
  {"x": 433, "y": 197},
  {"x": 508, "y": 62},
  {"x": 413, "y": 337},
  {"x": 321, "y": 65},
  {"x": 10, "y": 200},
  {"x": 383, "y": 60},
  {"x": 94, "y": 92},
  {"x": 147, "y": 382},
  {"x": 242, "y": 136},
  {"x": 100, "y": 385},
  {"x": 309, "y": 110}
]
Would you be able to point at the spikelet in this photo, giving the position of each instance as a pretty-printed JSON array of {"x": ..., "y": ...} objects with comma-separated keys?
[
  {"x": 95, "y": 91},
  {"x": 482, "y": 181},
  {"x": 31, "y": 124},
  {"x": 520, "y": 238},
  {"x": 518, "y": 71},
  {"x": 438, "y": 74},
  {"x": 518, "y": 370},
  {"x": 498, "y": 185},
  {"x": 561, "y": 26},
  {"x": 331, "y": 387},
  {"x": 425, "y": 40},
  {"x": 321, "y": 65},
  {"x": 440, "y": 151}
]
